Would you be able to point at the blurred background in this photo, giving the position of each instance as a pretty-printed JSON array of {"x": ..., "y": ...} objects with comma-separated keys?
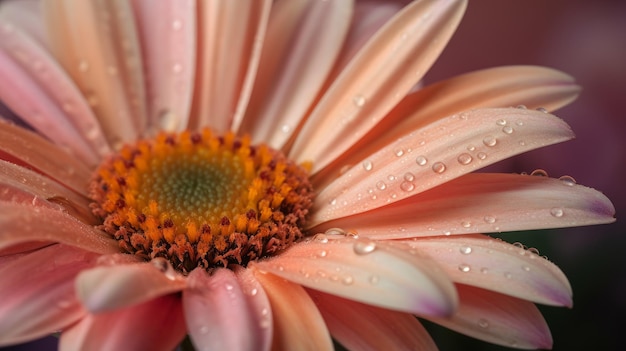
[{"x": 586, "y": 39}]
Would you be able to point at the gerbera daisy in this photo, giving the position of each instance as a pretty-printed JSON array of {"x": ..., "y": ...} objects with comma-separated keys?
[{"x": 260, "y": 174}]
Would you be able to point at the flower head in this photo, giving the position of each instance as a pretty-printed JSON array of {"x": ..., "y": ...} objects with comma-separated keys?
[{"x": 269, "y": 174}]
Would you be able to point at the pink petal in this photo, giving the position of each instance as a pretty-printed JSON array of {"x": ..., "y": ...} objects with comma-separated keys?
[
  {"x": 167, "y": 34},
  {"x": 435, "y": 154},
  {"x": 258, "y": 302},
  {"x": 97, "y": 44},
  {"x": 34, "y": 184},
  {"x": 107, "y": 288},
  {"x": 42, "y": 94},
  {"x": 37, "y": 293},
  {"x": 380, "y": 75},
  {"x": 535, "y": 87},
  {"x": 20, "y": 146},
  {"x": 298, "y": 324},
  {"x": 493, "y": 264},
  {"x": 23, "y": 223},
  {"x": 483, "y": 202},
  {"x": 498, "y": 319},
  {"x": 380, "y": 274},
  {"x": 230, "y": 36},
  {"x": 302, "y": 42},
  {"x": 27, "y": 15},
  {"x": 363, "y": 327},
  {"x": 156, "y": 325},
  {"x": 217, "y": 309}
]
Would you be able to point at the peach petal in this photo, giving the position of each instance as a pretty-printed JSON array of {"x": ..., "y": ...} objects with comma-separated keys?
[
  {"x": 230, "y": 38},
  {"x": 260, "y": 305},
  {"x": 167, "y": 34},
  {"x": 378, "y": 77},
  {"x": 217, "y": 310},
  {"x": 364, "y": 327},
  {"x": 436, "y": 154},
  {"x": 483, "y": 203},
  {"x": 44, "y": 96},
  {"x": 498, "y": 319},
  {"x": 290, "y": 302},
  {"x": 302, "y": 43},
  {"x": 381, "y": 274},
  {"x": 156, "y": 325},
  {"x": 37, "y": 293},
  {"x": 97, "y": 44},
  {"x": 22, "y": 223},
  {"x": 34, "y": 184},
  {"x": 493, "y": 264},
  {"x": 107, "y": 288},
  {"x": 534, "y": 87},
  {"x": 21, "y": 146}
]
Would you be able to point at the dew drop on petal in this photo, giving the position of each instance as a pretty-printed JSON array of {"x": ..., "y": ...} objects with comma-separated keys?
[
  {"x": 368, "y": 165},
  {"x": 374, "y": 279},
  {"x": 489, "y": 219},
  {"x": 409, "y": 177},
  {"x": 407, "y": 186},
  {"x": 464, "y": 159},
  {"x": 421, "y": 160},
  {"x": 490, "y": 141},
  {"x": 466, "y": 250},
  {"x": 507, "y": 129},
  {"x": 526, "y": 268},
  {"x": 347, "y": 280},
  {"x": 541, "y": 109},
  {"x": 481, "y": 155},
  {"x": 439, "y": 167},
  {"x": 398, "y": 152},
  {"x": 464, "y": 268},
  {"x": 359, "y": 100},
  {"x": 483, "y": 323},
  {"x": 556, "y": 212},
  {"x": 466, "y": 224},
  {"x": 568, "y": 180},
  {"x": 321, "y": 238},
  {"x": 539, "y": 173},
  {"x": 501, "y": 122},
  {"x": 335, "y": 231},
  {"x": 381, "y": 185},
  {"x": 364, "y": 246}
]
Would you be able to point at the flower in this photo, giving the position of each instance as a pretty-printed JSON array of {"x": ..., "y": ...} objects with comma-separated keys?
[{"x": 365, "y": 210}]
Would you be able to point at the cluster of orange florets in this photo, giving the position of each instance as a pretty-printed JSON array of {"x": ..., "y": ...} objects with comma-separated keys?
[{"x": 201, "y": 200}]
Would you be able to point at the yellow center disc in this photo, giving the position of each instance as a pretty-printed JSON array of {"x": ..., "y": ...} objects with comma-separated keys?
[{"x": 201, "y": 200}]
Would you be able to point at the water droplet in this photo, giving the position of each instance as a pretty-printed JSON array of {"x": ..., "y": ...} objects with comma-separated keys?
[
  {"x": 471, "y": 148},
  {"x": 322, "y": 253},
  {"x": 359, "y": 100},
  {"x": 364, "y": 246},
  {"x": 164, "y": 266},
  {"x": 507, "y": 129},
  {"x": 439, "y": 167},
  {"x": 522, "y": 143},
  {"x": 481, "y": 155},
  {"x": 466, "y": 250},
  {"x": 556, "y": 212},
  {"x": 285, "y": 128},
  {"x": 490, "y": 141},
  {"x": 489, "y": 219},
  {"x": 335, "y": 231},
  {"x": 526, "y": 268},
  {"x": 374, "y": 279},
  {"x": 521, "y": 107},
  {"x": 539, "y": 173},
  {"x": 168, "y": 120},
  {"x": 381, "y": 185},
  {"x": 501, "y": 122},
  {"x": 228, "y": 287},
  {"x": 464, "y": 268},
  {"x": 483, "y": 323},
  {"x": 421, "y": 160},
  {"x": 321, "y": 238},
  {"x": 407, "y": 186},
  {"x": 568, "y": 180},
  {"x": 367, "y": 165},
  {"x": 464, "y": 159},
  {"x": 253, "y": 292},
  {"x": 484, "y": 270},
  {"x": 466, "y": 224},
  {"x": 409, "y": 177},
  {"x": 447, "y": 232},
  {"x": 332, "y": 202},
  {"x": 519, "y": 122},
  {"x": 398, "y": 152},
  {"x": 347, "y": 280},
  {"x": 541, "y": 109}
]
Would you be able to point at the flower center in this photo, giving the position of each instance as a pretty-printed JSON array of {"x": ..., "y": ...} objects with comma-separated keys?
[{"x": 201, "y": 200}]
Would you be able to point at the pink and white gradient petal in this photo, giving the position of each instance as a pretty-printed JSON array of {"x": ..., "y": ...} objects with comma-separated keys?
[
  {"x": 493, "y": 264},
  {"x": 381, "y": 274},
  {"x": 23, "y": 223},
  {"x": 533, "y": 87},
  {"x": 498, "y": 319},
  {"x": 42, "y": 94},
  {"x": 167, "y": 36},
  {"x": 106, "y": 288},
  {"x": 37, "y": 292},
  {"x": 290, "y": 302},
  {"x": 303, "y": 40},
  {"x": 156, "y": 325},
  {"x": 97, "y": 44},
  {"x": 377, "y": 78},
  {"x": 43, "y": 156},
  {"x": 436, "y": 154},
  {"x": 26, "y": 14},
  {"x": 230, "y": 39},
  {"x": 364, "y": 327},
  {"x": 484, "y": 203},
  {"x": 217, "y": 310},
  {"x": 259, "y": 304}
]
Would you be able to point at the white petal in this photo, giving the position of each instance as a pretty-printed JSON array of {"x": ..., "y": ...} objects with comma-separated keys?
[{"x": 379, "y": 274}]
